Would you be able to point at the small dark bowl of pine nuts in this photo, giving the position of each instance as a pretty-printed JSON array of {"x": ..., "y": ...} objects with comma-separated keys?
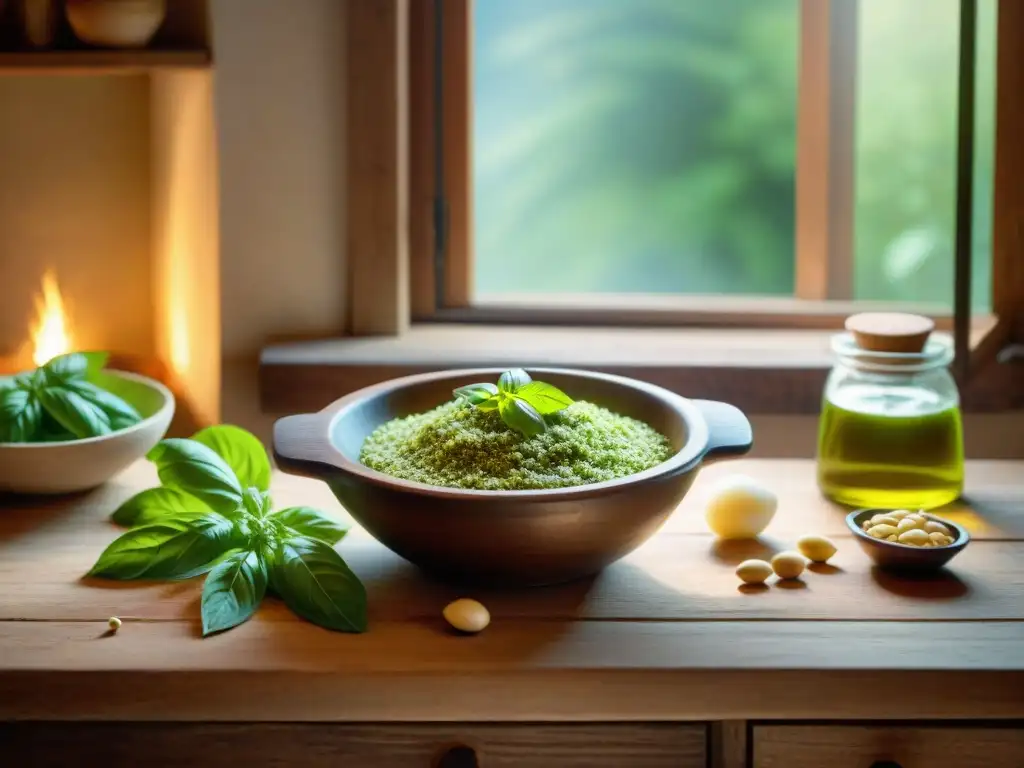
[{"x": 907, "y": 540}]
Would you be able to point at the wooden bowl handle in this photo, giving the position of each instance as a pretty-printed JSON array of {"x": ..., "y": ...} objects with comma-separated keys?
[
  {"x": 729, "y": 432},
  {"x": 302, "y": 445}
]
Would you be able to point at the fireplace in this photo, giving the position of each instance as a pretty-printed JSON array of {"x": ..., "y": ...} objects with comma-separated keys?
[{"x": 51, "y": 332}]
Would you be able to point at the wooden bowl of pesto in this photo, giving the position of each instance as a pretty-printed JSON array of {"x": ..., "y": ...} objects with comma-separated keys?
[{"x": 522, "y": 535}]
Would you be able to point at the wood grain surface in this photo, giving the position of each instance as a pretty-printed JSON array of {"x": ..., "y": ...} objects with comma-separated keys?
[
  {"x": 671, "y": 616},
  {"x": 181, "y": 745},
  {"x": 682, "y": 574},
  {"x": 674, "y": 577},
  {"x": 908, "y": 745}
]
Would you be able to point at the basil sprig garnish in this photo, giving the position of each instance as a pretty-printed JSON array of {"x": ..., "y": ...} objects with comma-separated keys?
[
  {"x": 62, "y": 400},
  {"x": 521, "y": 402},
  {"x": 213, "y": 514}
]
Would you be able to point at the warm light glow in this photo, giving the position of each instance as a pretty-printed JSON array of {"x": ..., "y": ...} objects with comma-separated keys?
[
  {"x": 181, "y": 348},
  {"x": 50, "y": 335}
]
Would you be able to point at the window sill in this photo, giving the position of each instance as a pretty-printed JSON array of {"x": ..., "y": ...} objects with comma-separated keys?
[{"x": 760, "y": 371}]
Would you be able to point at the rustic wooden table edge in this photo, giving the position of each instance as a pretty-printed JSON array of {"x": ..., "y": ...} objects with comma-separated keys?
[{"x": 592, "y": 696}]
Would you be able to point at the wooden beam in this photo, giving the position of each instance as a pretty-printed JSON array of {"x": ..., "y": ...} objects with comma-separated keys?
[
  {"x": 422, "y": 157},
  {"x": 1008, "y": 182},
  {"x": 378, "y": 166},
  {"x": 825, "y": 149},
  {"x": 730, "y": 743},
  {"x": 457, "y": 106},
  {"x": 441, "y": 152}
]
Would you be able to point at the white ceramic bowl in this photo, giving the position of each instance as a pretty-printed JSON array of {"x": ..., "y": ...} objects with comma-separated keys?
[{"x": 78, "y": 465}]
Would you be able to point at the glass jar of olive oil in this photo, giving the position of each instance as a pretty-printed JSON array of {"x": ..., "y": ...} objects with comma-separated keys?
[{"x": 890, "y": 434}]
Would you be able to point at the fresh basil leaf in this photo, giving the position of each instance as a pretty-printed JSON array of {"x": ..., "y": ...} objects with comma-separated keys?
[
  {"x": 176, "y": 547},
  {"x": 256, "y": 502},
  {"x": 317, "y": 584},
  {"x": 74, "y": 413},
  {"x": 20, "y": 416},
  {"x": 491, "y": 404},
  {"x": 543, "y": 397},
  {"x": 120, "y": 413},
  {"x": 154, "y": 504},
  {"x": 30, "y": 381},
  {"x": 510, "y": 381},
  {"x": 238, "y": 543},
  {"x": 194, "y": 468},
  {"x": 74, "y": 365},
  {"x": 271, "y": 556},
  {"x": 475, "y": 394},
  {"x": 308, "y": 522},
  {"x": 50, "y": 430},
  {"x": 233, "y": 591},
  {"x": 241, "y": 451},
  {"x": 521, "y": 416},
  {"x": 60, "y": 436}
]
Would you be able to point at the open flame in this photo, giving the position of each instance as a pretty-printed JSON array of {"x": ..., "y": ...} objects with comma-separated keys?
[{"x": 50, "y": 335}]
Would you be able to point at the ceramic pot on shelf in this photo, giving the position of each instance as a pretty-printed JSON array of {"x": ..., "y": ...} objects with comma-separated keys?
[{"x": 116, "y": 23}]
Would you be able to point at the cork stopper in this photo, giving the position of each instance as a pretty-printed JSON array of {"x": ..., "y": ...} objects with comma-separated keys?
[{"x": 890, "y": 332}]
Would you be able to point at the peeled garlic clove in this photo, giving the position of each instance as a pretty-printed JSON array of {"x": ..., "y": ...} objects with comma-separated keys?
[
  {"x": 788, "y": 565},
  {"x": 915, "y": 537},
  {"x": 739, "y": 508},
  {"x": 882, "y": 531},
  {"x": 817, "y": 549},
  {"x": 934, "y": 526},
  {"x": 753, "y": 571},
  {"x": 467, "y": 615},
  {"x": 907, "y": 524}
]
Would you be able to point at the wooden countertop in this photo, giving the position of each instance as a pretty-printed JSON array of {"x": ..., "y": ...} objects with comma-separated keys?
[{"x": 665, "y": 634}]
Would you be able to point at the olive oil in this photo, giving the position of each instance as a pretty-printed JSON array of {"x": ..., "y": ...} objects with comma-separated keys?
[{"x": 890, "y": 448}]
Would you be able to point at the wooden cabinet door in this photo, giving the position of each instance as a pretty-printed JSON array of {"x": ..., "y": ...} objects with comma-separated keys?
[
  {"x": 326, "y": 745},
  {"x": 907, "y": 745}
]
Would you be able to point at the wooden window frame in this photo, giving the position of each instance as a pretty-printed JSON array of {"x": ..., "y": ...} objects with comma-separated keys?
[
  {"x": 824, "y": 193},
  {"x": 396, "y": 132}
]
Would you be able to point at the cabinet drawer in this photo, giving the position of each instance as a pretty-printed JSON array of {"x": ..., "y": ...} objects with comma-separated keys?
[
  {"x": 905, "y": 746},
  {"x": 316, "y": 745}
]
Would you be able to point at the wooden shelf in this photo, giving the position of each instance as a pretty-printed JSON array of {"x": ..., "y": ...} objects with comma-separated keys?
[
  {"x": 100, "y": 61},
  {"x": 789, "y": 365}
]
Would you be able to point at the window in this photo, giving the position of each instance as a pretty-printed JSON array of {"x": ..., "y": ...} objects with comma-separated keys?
[
  {"x": 649, "y": 153},
  {"x": 646, "y": 146},
  {"x": 568, "y": 164}
]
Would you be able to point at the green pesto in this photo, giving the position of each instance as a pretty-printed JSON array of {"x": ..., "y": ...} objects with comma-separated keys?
[{"x": 458, "y": 446}]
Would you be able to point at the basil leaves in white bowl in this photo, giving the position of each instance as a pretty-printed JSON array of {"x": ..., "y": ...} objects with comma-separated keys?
[{"x": 71, "y": 425}]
